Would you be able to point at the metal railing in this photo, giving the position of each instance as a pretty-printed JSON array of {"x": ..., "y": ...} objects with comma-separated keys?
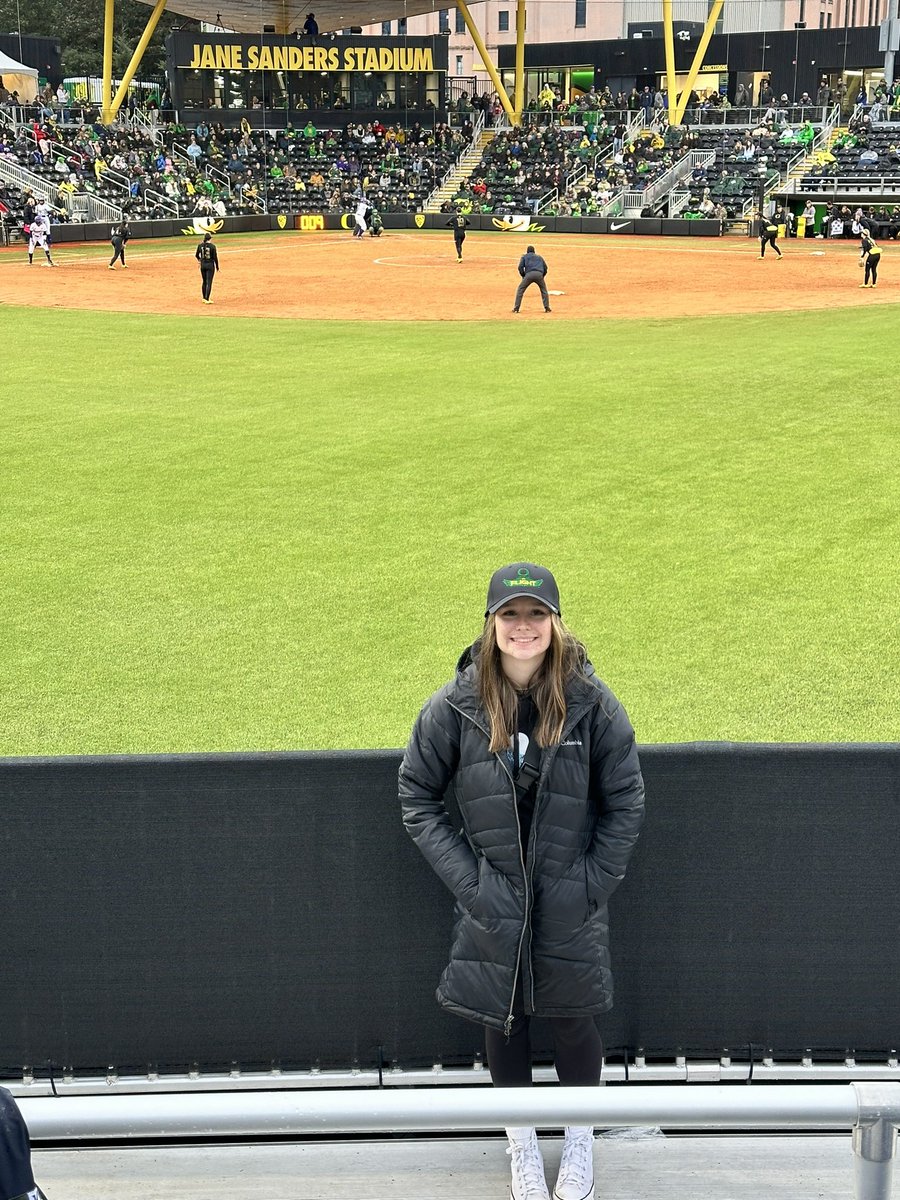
[
  {"x": 870, "y": 185},
  {"x": 658, "y": 188},
  {"x": 101, "y": 210},
  {"x": 219, "y": 177},
  {"x": 575, "y": 177},
  {"x": 159, "y": 200},
  {"x": 780, "y": 114},
  {"x": 869, "y": 1111},
  {"x": 477, "y": 131},
  {"x": 678, "y": 202},
  {"x": 142, "y": 122},
  {"x": 117, "y": 179},
  {"x": 22, "y": 178},
  {"x": 261, "y": 199},
  {"x": 83, "y": 206}
]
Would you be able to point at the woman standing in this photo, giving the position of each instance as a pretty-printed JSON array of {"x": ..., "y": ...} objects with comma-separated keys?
[
  {"x": 208, "y": 258},
  {"x": 542, "y": 761}
]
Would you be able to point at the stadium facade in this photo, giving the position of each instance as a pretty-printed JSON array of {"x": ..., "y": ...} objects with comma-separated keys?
[{"x": 551, "y": 22}]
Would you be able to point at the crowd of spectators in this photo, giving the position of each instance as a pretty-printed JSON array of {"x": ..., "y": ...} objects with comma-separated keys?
[
  {"x": 860, "y": 150},
  {"x": 567, "y": 171},
  {"x": 570, "y": 157},
  {"x": 322, "y": 170},
  {"x": 843, "y": 221},
  {"x": 210, "y": 169}
]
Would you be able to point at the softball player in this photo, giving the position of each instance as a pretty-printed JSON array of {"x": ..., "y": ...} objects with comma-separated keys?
[
  {"x": 39, "y": 238},
  {"x": 459, "y": 225},
  {"x": 362, "y": 208},
  {"x": 870, "y": 256},
  {"x": 768, "y": 235}
]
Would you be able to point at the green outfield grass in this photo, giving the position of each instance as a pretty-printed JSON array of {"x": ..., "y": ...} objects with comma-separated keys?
[{"x": 263, "y": 534}]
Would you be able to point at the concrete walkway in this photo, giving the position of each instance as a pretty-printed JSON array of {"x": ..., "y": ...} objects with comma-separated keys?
[{"x": 679, "y": 1167}]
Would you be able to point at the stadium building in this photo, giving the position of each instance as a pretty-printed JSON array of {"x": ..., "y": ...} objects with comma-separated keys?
[{"x": 581, "y": 22}]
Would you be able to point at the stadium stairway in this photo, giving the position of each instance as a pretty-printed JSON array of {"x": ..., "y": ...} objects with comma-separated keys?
[
  {"x": 461, "y": 172},
  {"x": 791, "y": 183}
]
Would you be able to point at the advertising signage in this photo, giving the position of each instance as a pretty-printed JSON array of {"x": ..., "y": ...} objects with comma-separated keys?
[{"x": 231, "y": 53}]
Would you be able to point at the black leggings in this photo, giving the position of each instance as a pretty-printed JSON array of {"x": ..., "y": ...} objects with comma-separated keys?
[
  {"x": 577, "y": 1050},
  {"x": 872, "y": 270}
]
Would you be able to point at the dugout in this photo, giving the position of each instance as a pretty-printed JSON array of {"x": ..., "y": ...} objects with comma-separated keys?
[
  {"x": 278, "y": 80},
  {"x": 235, "y": 912}
]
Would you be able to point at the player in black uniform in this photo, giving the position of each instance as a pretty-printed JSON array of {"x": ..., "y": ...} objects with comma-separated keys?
[
  {"x": 208, "y": 259},
  {"x": 119, "y": 235},
  {"x": 459, "y": 225},
  {"x": 768, "y": 233},
  {"x": 870, "y": 255}
]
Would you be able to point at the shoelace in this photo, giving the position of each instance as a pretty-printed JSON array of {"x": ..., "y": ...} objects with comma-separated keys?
[
  {"x": 527, "y": 1164},
  {"x": 577, "y": 1163}
]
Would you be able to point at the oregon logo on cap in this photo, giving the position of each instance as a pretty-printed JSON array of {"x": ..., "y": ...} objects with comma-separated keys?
[{"x": 523, "y": 579}]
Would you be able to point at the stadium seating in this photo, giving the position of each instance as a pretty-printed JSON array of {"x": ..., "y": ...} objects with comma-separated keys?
[
  {"x": 862, "y": 162},
  {"x": 242, "y": 170}
]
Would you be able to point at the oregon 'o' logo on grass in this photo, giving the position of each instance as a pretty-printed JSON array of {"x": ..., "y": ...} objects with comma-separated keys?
[{"x": 347, "y": 221}]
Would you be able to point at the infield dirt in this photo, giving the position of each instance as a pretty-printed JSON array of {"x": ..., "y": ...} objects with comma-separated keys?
[{"x": 415, "y": 277}]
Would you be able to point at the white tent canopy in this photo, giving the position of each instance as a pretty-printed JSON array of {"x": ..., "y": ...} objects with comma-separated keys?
[{"x": 18, "y": 78}]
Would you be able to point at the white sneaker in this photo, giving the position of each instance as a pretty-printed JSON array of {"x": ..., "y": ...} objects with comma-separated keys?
[
  {"x": 528, "y": 1182},
  {"x": 576, "y": 1171}
]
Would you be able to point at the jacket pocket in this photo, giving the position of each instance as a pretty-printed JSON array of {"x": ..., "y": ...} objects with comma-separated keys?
[
  {"x": 492, "y": 900},
  {"x": 589, "y": 900}
]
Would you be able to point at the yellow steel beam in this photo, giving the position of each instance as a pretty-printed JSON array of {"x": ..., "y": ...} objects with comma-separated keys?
[
  {"x": 120, "y": 95},
  {"x": 671, "y": 87},
  {"x": 108, "y": 20},
  {"x": 698, "y": 59},
  {"x": 519, "y": 96},
  {"x": 486, "y": 59}
]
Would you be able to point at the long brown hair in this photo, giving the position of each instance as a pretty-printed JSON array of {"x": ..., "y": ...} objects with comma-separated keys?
[{"x": 565, "y": 657}]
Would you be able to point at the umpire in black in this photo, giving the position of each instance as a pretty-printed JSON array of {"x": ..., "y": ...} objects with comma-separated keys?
[
  {"x": 16, "y": 1178},
  {"x": 533, "y": 269},
  {"x": 208, "y": 258}
]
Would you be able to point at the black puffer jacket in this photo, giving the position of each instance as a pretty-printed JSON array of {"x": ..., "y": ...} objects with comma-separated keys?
[{"x": 541, "y": 909}]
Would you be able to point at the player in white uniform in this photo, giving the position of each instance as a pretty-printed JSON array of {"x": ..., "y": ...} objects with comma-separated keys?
[
  {"x": 39, "y": 237},
  {"x": 362, "y": 208}
]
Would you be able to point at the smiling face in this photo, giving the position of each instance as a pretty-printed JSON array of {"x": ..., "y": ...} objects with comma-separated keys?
[{"x": 523, "y": 629}]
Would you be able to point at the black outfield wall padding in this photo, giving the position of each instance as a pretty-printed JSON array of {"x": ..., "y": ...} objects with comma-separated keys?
[
  {"x": 270, "y": 907},
  {"x": 313, "y": 223}
]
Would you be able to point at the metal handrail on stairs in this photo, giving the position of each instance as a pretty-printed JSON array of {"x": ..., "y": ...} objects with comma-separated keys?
[
  {"x": 820, "y": 141},
  {"x": 658, "y": 188},
  {"x": 575, "y": 178},
  {"x": 477, "y": 131},
  {"x": 25, "y": 179}
]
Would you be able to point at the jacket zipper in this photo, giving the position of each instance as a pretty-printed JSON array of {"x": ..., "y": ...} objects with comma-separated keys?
[
  {"x": 526, "y": 924},
  {"x": 507, "y": 1024},
  {"x": 546, "y": 766}
]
